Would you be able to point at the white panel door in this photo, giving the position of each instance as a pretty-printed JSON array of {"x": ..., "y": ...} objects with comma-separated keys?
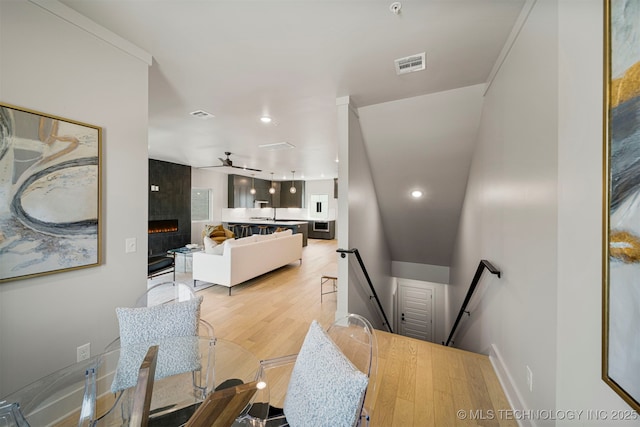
[{"x": 415, "y": 309}]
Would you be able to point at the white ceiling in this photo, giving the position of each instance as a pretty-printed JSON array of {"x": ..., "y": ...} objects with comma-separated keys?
[{"x": 290, "y": 60}]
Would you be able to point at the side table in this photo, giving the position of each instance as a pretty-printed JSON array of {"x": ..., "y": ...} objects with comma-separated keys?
[{"x": 183, "y": 258}]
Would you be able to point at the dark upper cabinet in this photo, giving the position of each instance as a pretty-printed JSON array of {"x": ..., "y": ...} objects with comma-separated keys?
[
  {"x": 292, "y": 200},
  {"x": 239, "y": 193}
]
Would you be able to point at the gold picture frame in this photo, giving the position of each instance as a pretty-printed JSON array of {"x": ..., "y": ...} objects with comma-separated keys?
[
  {"x": 621, "y": 225},
  {"x": 50, "y": 194}
]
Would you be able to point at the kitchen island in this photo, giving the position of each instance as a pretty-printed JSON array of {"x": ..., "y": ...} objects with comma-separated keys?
[{"x": 296, "y": 226}]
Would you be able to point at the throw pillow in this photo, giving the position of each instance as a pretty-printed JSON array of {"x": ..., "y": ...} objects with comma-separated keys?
[
  {"x": 325, "y": 389},
  {"x": 217, "y": 232},
  {"x": 209, "y": 228},
  {"x": 209, "y": 244},
  {"x": 280, "y": 229},
  {"x": 173, "y": 326},
  {"x": 286, "y": 232}
]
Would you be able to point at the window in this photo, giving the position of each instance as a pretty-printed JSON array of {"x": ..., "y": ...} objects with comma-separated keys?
[{"x": 200, "y": 204}]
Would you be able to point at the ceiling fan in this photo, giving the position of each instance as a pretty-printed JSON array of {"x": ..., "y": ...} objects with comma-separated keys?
[{"x": 228, "y": 163}]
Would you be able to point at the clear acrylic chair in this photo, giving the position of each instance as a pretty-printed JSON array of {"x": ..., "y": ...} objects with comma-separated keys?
[
  {"x": 166, "y": 293},
  {"x": 303, "y": 392},
  {"x": 192, "y": 357}
]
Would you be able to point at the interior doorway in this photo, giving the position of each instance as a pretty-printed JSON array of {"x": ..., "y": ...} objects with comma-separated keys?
[{"x": 415, "y": 311}]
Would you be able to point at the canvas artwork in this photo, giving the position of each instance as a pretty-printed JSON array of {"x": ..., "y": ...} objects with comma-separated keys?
[
  {"x": 49, "y": 194},
  {"x": 621, "y": 310}
]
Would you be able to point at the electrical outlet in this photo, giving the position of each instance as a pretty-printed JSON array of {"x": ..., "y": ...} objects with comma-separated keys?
[
  {"x": 83, "y": 352},
  {"x": 529, "y": 378}
]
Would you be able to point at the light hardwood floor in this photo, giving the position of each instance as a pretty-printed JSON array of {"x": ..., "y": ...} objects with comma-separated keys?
[{"x": 417, "y": 383}]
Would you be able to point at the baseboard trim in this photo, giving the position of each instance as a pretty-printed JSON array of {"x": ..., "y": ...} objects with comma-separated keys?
[{"x": 508, "y": 385}]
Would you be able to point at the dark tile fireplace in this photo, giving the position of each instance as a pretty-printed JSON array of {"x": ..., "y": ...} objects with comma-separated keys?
[{"x": 169, "y": 206}]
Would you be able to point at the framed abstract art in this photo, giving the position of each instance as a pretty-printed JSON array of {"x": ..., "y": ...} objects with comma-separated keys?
[
  {"x": 621, "y": 260},
  {"x": 50, "y": 193}
]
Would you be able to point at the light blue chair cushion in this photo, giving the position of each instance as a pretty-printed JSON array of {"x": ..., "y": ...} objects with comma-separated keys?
[
  {"x": 325, "y": 389},
  {"x": 172, "y": 326}
]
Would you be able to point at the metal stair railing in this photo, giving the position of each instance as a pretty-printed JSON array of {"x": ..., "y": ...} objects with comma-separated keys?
[
  {"x": 474, "y": 283},
  {"x": 343, "y": 253}
]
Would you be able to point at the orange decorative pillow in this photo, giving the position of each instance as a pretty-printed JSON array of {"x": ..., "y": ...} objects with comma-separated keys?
[{"x": 217, "y": 233}]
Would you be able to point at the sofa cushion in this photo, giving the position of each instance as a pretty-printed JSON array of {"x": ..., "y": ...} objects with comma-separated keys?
[
  {"x": 241, "y": 242},
  {"x": 284, "y": 232},
  {"x": 263, "y": 237}
]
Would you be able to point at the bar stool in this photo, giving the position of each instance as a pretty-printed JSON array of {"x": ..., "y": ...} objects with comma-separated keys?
[
  {"x": 245, "y": 230},
  {"x": 236, "y": 229},
  {"x": 264, "y": 229},
  {"x": 324, "y": 279}
]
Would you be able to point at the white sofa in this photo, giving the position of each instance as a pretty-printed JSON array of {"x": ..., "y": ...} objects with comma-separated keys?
[{"x": 238, "y": 260}]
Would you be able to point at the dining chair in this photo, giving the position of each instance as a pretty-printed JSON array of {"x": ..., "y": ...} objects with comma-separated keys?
[
  {"x": 168, "y": 293},
  {"x": 223, "y": 407},
  {"x": 168, "y": 315},
  {"x": 328, "y": 379}
]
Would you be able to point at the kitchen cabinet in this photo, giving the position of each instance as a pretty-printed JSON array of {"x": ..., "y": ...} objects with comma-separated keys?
[
  {"x": 291, "y": 200},
  {"x": 322, "y": 230},
  {"x": 239, "y": 193}
]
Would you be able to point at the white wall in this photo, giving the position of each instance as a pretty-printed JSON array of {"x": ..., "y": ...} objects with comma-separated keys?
[
  {"x": 422, "y": 272},
  {"x": 579, "y": 214},
  {"x": 510, "y": 216},
  {"x": 219, "y": 185},
  {"x": 361, "y": 225},
  {"x": 50, "y": 65}
]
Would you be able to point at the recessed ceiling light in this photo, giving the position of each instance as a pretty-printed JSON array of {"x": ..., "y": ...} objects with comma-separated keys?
[
  {"x": 265, "y": 119},
  {"x": 416, "y": 194}
]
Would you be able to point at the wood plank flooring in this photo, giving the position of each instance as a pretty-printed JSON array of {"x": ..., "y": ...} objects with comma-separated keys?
[{"x": 417, "y": 383}]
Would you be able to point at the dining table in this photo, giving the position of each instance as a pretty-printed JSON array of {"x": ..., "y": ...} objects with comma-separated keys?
[{"x": 60, "y": 398}]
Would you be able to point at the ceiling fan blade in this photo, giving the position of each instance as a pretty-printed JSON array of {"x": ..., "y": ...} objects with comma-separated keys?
[{"x": 248, "y": 169}]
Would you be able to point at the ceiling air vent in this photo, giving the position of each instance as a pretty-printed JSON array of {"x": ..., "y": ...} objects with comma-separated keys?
[
  {"x": 410, "y": 64},
  {"x": 201, "y": 114}
]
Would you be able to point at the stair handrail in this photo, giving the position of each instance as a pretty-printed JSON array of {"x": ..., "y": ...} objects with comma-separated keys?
[
  {"x": 343, "y": 253},
  {"x": 476, "y": 278}
]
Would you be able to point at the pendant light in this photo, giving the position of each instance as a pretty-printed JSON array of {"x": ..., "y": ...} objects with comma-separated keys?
[
  {"x": 293, "y": 189},
  {"x": 253, "y": 182},
  {"x": 271, "y": 189}
]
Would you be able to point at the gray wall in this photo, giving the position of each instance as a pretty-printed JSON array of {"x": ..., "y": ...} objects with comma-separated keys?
[
  {"x": 533, "y": 207},
  {"x": 510, "y": 215},
  {"x": 53, "y": 66},
  {"x": 361, "y": 225},
  {"x": 579, "y": 274}
]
